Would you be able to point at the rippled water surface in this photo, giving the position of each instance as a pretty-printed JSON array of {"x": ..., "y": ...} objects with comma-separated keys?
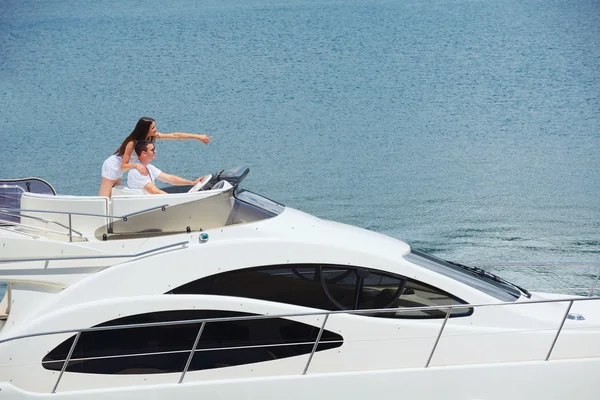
[{"x": 470, "y": 129}]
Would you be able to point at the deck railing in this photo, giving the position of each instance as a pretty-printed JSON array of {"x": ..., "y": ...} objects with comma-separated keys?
[
  {"x": 16, "y": 212},
  {"x": 203, "y": 322}
]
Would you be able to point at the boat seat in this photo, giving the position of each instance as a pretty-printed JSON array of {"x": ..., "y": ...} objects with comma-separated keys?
[
  {"x": 121, "y": 190},
  {"x": 199, "y": 210},
  {"x": 64, "y": 203}
]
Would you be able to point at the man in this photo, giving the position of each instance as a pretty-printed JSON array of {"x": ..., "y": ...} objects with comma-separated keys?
[{"x": 146, "y": 152}]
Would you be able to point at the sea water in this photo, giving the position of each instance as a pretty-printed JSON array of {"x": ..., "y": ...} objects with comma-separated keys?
[{"x": 468, "y": 128}]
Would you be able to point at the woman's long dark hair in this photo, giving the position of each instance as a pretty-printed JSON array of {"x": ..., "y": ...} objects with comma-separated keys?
[{"x": 139, "y": 133}]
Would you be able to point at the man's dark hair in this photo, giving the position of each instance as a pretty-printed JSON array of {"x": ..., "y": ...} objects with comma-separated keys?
[{"x": 141, "y": 145}]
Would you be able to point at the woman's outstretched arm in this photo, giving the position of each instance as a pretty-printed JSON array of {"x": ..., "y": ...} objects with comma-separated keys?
[{"x": 184, "y": 136}]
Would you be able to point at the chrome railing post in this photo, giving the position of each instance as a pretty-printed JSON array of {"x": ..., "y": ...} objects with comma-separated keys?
[
  {"x": 593, "y": 288},
  {"x": 62, "y": 371},
  {"x": 437, "y": 340},
  {"x": 70, "y": 229},
  {"x": 189, "y": 360},
  {"x": 312, "y": 353},
  {"x": 559, "y": 329}
]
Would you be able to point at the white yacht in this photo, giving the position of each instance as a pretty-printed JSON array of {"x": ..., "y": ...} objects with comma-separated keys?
[{"x": 223, "y": 293}]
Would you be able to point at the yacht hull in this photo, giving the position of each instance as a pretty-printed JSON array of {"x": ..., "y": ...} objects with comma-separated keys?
[{"x": 523, "y": 380}]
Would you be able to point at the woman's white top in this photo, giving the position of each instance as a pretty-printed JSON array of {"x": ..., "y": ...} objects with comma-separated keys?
[{"x": 111, "y": 168}]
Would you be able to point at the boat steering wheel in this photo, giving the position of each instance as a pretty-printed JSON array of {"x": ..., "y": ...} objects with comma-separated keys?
[{"x": 198, "y": 186}]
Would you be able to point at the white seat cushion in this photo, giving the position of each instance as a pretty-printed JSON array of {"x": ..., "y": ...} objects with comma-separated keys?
[{"x": 125, "y": 191}]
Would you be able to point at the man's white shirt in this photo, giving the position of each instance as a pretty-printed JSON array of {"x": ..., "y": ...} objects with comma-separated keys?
[{"x": 135, "y": 180}]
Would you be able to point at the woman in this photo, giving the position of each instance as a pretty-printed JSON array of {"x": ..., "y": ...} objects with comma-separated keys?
[{"x": 125, "y": 158}]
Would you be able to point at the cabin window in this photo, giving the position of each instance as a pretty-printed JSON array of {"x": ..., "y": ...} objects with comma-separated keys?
[
  {"x": 164, "y": 349},
  {"x": 329, "y": 287}
]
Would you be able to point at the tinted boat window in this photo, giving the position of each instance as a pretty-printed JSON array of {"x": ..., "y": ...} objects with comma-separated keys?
[
  {"x": 380, "y": 291},
  {"x": 341, "y": 286},
  {"x": 296, "y": 284},
  {"x": 328, "y": 287},
  {"x": 164, "y": 349},
  {"x": 496, "y": 289},
  {"x": 417, "y": 294}
]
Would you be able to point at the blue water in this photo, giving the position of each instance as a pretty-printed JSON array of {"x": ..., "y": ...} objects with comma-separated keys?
[{"x": 470, "y": 129}]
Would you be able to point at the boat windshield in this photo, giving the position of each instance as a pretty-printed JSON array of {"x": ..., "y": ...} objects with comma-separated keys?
[
  {"x": 249, "y": 206},
  {"x": 259, "y": 201},
  {"x": 477, "y": 278}
]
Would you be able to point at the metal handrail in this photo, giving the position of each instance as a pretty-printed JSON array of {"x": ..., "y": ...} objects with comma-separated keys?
[
  {"x": 9, "y": 228},
  {"x": 293, "y": 315},
  {"x": 17, "y": 212},
  {"x": 39, "y": 219},
  {"x": 562, "y": 323},
  {"x": 592, "y": 290},
  {"x": 86, "y": 214},
  {"x": 62, "y": 371},
  {"x": 253, "y": 346},
  {"x": 437, "y": 339},
  {"x": 189, "y": 360},
  {"x": 316, "y": 344},
  {"x": 259, "y": 346},
  {"x": 143, "y": 253},
  {"x": 205, "y": 321},
  {"x": 40, "y": 229}
]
